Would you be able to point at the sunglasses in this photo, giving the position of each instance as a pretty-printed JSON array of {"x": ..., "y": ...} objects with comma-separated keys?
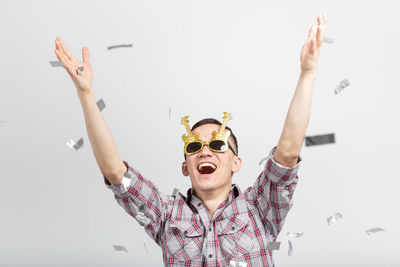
[{"x": 214, "y": 145}]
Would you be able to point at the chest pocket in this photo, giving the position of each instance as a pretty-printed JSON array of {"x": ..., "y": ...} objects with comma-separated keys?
[
  {"x": 184, "y": 241},
  {"x": 235, "y": 237}
]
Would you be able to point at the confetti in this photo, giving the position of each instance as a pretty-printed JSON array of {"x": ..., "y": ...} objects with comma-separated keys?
[
  {"x": 237, "y": 264},
  {"x": 273, "y": 245},
  {"x": 290, "y": 251},
  {"x": 120, "y": 248},
  {"x": 175, "y": 192},
  {"x": 264, "y": 159},
  {"x": 74, "y": 145},
  {"x": 333, "y": 219},
  {"x": 116, "y": 46},
  {"x": 328, "y": 40},
  {"x": 374, "y": 230},
  {"x": 343, "y": 84},
  {"x": 294, "y": 235},
  {"x": 56, "y": 63},
  {"x": 320, "y": 139},
  {"x": 81, "y": 68},
  {"x": 144, "y": 244},
  {"x": 101, "y": 104}
]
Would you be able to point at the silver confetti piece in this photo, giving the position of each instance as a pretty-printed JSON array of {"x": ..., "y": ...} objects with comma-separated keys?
[
  {"x": 117, "y": 46},
  {"x": 237, "y": 264},
  {"x": 56, "y": 63},
  {"x": 81, "y": 68},
  {"x": 273, "y": 245},
  {"x": 120, "y": 248},
  {"x": 101, "y": 104},
  {"x": 328, "y": 40},
  {"x": 79, "y": 144},
  {"x": 343, "y": 84},
  {"x": 264, "y": 159},
  {"x": 320, "y": 139},
  {"x": 175, "y": 192},
  {"x": 71, "y": 144},
  {"x": 79, "y": 73},
  {"x": 142, "y": 207},
  {"x": 294, "y": 235},
  {"x": 333, "y": 219},
  {"x": 144, "y": 244},
  {"x": 290, "y": 251},
  {"x": 374, "y": 230}
]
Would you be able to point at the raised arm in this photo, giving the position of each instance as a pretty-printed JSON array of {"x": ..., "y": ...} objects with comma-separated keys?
[
  {"x": 294, "y": 130},
  {"x": 103, "y": 145}
]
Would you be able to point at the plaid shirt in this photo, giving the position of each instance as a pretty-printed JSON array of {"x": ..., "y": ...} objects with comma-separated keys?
[{"x": 239, "y": 231}]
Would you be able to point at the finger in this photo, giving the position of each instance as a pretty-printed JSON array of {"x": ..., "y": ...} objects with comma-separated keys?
[
  {"x": 67, "y": 64},
  {"x": 313, "y": 46},
  {"x": 312, "y": 32},
  {"x": 85, "y": 55},
  {"x": 67, "y": 52},
  {"x": 320, "y": 35}
]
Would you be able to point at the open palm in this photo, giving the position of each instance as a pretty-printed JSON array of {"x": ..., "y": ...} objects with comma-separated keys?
[
  {"x": 82, "y": 79},
  {"x": 310, "y": 53}
]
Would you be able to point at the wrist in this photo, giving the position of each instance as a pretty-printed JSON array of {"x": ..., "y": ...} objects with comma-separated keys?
[{"x": 308, "y": 73}]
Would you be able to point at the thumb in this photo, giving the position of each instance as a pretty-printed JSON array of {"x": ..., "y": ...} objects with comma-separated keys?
[{"x": 85, "y": 55}]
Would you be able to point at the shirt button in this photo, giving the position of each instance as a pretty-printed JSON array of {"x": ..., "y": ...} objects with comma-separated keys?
[
  {"x": 233, "y": 228},
  {"x": 185, "y": 232},
  {"x": 198, "y": 205},
  {"x": 210, "y": 229},
  {"x": 210, "y": 256}
]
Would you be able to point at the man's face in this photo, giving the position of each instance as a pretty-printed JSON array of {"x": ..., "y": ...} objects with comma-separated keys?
[{"x": 210, "y": 170}]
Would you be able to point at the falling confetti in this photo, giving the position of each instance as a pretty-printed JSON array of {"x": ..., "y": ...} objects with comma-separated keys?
[
  {"x": 56, "y": 63},
  {"x": 290, "y": 251},
  {"x": 101, "y": 104},
  {"x": 320, "y": 139},
  {"x": 144, "y": 244},
  {"x": 264, "y": 159},
  {"x": 294, "y": 235},
  {"x": 374, "y": 230},
  {"x": 328, "y": 40},
  {"x": 81, "y": 68},
  {"x": 343, "y": 84},
  {"x": 117, "y": 46},
  {"x": 175, "y": 192},
  {"x": 120, "y": 248},
  {"x": 76, "y": 145},
  {"x": 333, "y": 219},
  {"x": 273, "y": 245}
]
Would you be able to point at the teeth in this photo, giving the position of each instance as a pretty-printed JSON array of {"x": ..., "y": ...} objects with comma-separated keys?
[{"x": 206, "y": 164}]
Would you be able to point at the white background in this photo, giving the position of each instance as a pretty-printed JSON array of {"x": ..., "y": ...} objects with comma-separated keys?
[{"x": 198, "y": 58}]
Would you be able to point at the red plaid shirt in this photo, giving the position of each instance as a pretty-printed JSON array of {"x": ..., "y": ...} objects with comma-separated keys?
[{"x": 239, "y": 231}]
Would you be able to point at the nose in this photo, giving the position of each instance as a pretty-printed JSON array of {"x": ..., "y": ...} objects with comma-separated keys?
[{"x": 205, "y": 152}]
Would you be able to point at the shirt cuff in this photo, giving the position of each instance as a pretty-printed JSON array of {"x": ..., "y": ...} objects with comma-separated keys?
[
  {"x": 121, "y": 187},
  {"x": 278, "y": 173}
]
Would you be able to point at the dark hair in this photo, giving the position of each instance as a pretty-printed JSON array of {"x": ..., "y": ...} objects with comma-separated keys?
[{"x": 214, "y": 121}]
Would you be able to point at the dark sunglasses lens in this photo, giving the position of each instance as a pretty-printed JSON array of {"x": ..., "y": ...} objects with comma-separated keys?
[
  {"x": 218, "y": 145},
  {"x": 193, "y": 147}
]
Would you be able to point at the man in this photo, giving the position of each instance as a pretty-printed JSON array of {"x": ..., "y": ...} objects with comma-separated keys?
[{"x": 215, "y": 224}]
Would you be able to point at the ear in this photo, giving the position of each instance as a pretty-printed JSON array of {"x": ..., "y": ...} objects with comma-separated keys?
[
  {"x": 185, "y": 171},
  {"x": 237, "y": 164}
]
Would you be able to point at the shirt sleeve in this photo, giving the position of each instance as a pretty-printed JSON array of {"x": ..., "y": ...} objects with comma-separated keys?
[
  {"x": 141, "y": 199},
  {"x": 273, "y": 191}
]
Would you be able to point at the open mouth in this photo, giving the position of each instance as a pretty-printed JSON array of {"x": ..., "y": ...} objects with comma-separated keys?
[{"x": 206, "y": 168}]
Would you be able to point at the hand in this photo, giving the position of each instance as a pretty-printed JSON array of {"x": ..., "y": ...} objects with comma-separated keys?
[
  {"x": 82, "y": 79},
  {"x": 310, "y": 53}
]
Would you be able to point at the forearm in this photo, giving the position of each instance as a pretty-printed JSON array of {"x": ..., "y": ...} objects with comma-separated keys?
[
  {"x": 298, "y": 116},
  {"x": 100, "y": 137}
]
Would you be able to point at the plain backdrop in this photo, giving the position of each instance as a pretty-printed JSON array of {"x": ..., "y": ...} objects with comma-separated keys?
[{"x": 196, "y": 58}]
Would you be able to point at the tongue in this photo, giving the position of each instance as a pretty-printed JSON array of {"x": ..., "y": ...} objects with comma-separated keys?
[{"x": 206, "y": 170}]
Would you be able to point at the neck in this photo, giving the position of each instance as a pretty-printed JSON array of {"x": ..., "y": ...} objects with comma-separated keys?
[{"x": 212, "y": 199}]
